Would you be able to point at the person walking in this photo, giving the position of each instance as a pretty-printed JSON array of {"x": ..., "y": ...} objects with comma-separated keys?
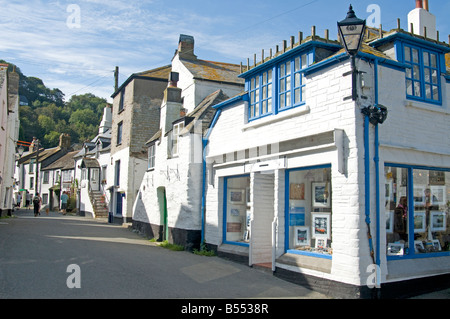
[
  {"x": 64, "y": 199},
  {"x": 37, "y": 204}
]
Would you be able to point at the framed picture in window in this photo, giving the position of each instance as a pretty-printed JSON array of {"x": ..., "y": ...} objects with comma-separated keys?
[
  {"x": 236, "y": 196},
  {"x": 419, "y": 195},
  {"x": 321, "y": 227},
  {"x": 438, "y": 194},
  {"x": 301, "y": 236},
  {"x": 395, "y": 249},
  {"x": 320, "y": 194},
  {"x": 389, "y": 222},
  {"x": 438, "y": 221},
  {"x": 419, "y": 222}
]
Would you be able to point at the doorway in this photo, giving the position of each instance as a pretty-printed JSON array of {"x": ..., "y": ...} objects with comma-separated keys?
[{"x": 162, "y": 202}]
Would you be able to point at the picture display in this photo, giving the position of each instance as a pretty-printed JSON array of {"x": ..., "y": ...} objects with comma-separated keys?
[
  {"x": 428, "y": 209},
  {"x": 310, "y": 210}
]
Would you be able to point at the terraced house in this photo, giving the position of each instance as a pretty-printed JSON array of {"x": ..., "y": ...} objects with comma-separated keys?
[
  {"x": 169, "y": 200},
  {"x": 334, "y": 175}
]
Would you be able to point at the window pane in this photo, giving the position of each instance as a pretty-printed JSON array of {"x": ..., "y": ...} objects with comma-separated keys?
[
  {"x": 297, "y": 64},
  {"x": 269, "y": 106},
  {"x": 431, "y": 191},
  {"x": 282, "y": 85},
  {"x": 297, "y": 82},
  {"x": 310, "y": 211},
  {"x": 269, "y": 88},
  {"x": 396, "y": 210},
  {"x": 417, "y": 91},
  {"x": 407, "y": 54},
  {"x": 297, "y": 96},
  {"x": 288, "y": 99},
  {"x": 409, "y": 87},
  {"x": 408, "y": 73},
  {"x": 426, "y": 58},
  {"x": 428, "y": 91},
  {"x": 433, "y": 61},
  {"x": 434, "y": 77},
  {"x": 304, "y": 64},
  {"x": 435, "y": 93},
  {"x": 415, "y": 54},
  {"x": 288, "y": 67},
  {"x": 282, "y": 70},
  {"x": 252, "y": 84},
  {"x": 282, "y": 100},
  {"x": 416, "y": 72}
]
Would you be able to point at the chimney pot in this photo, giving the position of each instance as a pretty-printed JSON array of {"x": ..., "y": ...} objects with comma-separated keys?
[
  {"x": 425, "y": 5},
  {"x": 419, "y": 4}
]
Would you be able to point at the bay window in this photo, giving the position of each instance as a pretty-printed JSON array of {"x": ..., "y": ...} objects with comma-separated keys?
[
  {"x": 278, "y": 88},
  {"x": 422, "y": 74}
]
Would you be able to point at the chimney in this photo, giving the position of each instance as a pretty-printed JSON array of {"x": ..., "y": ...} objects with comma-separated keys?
[
  {"x": 116, "y": 79},
  {"x": 64, "y": 141},
  {"x": 172, "y": 103},
  {"x": 423, "y": 22},
  {"x": 186, "y": 47},
  {"x": 173, "y": 79}
]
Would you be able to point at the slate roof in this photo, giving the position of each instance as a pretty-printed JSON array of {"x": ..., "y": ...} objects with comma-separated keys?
[
  {"x": 204, "y": 112},
  {"x": 214, "y": 71},
  {"x": 65, "y": 162}
]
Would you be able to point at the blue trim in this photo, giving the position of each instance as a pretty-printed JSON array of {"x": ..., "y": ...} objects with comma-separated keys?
[
  {"x": 241, "y": 97},
  {"x": 289, "y": 54},
  {"x": 377, "y": 176},
  {"x": 309, "y": 253},
  {"x": 205, "y": 141},
  {"x": 412, "y": 39}
]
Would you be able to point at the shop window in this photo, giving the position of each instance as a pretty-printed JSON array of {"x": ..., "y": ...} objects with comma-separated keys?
[
  {"x": 417, "y": 211},
  {"x": 237, "y": 210},
  {"x": 309, "y": 210}
]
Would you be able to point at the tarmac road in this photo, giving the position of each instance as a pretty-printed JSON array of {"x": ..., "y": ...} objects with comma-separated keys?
[
  {"x": 113, "y": 262},
  {"x": 37, "y": 255}
]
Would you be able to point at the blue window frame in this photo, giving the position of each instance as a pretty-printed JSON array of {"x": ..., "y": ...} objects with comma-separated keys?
[
  {"x": 261, "y": 94},
  {"x": 423, "y": 74},
  {"x": 416, "y": 211},
  {"x": 279, "y": 88}
]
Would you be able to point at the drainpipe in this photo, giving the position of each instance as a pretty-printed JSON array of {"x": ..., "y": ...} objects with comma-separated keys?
[{"x": 377, "y": 183}]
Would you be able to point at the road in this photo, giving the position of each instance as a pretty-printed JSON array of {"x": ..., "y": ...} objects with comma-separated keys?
[{"x": 42, "y": 257}]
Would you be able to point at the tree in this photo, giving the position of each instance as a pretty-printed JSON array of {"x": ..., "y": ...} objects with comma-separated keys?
[{"x": 47, "y": 116}]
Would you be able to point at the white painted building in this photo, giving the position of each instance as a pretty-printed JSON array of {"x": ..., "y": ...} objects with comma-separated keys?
[
  {"x": 168, "y": 203},
  {"x": 92, "y": 164},
  {"x": 298, "y": 178},
  {"x": 9, "y": 132}
]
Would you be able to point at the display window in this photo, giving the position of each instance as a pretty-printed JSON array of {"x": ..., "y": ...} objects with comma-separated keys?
[
  {"x": 417, "y": 211},
  {"x": 309, "y": 211},
  {"x": 237, "y": 210}
]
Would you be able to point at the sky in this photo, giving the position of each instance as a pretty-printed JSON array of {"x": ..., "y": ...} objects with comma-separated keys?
[{"x": 76, "y": 45}]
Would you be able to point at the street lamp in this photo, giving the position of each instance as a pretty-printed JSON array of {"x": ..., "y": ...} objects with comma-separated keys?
[{"x": 351, "y": 31}]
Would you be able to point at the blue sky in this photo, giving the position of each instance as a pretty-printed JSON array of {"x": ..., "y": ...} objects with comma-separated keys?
[{"x": 75, "y": 45}]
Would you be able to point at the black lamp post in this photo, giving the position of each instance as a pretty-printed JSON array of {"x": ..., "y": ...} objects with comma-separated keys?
[{"x": 351, "y": 31}]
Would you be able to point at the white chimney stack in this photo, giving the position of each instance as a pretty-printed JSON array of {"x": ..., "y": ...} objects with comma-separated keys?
[{"x": 423, "y": 22}]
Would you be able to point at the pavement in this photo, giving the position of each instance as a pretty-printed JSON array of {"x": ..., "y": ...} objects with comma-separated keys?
[{"x": 197, "y": 272}]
